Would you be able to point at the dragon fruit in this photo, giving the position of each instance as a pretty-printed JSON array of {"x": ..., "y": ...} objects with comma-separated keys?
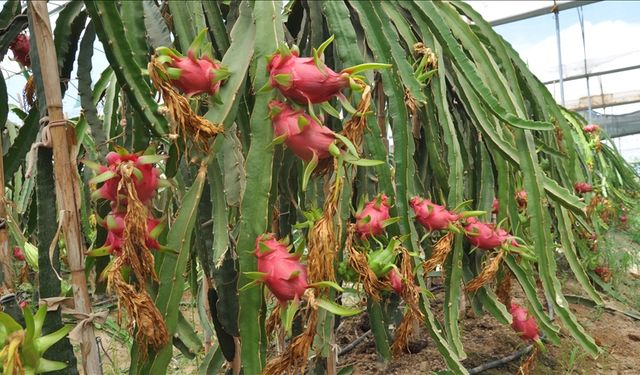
[
  {"x": 18, "y": 254},
  {"x": 196, "y": 76},
  {"x": 603, "y": 272},
  {"x": 521, "y": 199},
  {"x": 624, "y": 219},
  {"x": 283, "y": 273},
  {"x": 524, "y": 324},
  {"x": 301, "y": 80},
  {"x": 146, "y": 183},
  {"x": 591, "y": 128},
  {"x": 146, "y": 180},
  {"x": 115, "y": 224},
  {"x": 432, "y": 216},
  {"x": 495, "y": 206},
  {"x": 301, "y": 133},
  {"x": 370, "y": 221},
  {"x": 382, "y": 261},
  {"x": 20, "y": 49},
  {"x": 582, "y": 187},
  {"x": 396, "y": 280},
  {"x": 483, "y": 235}
]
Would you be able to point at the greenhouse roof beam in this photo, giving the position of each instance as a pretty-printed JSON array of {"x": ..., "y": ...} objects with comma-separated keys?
[{"x": 541, "y": 12}]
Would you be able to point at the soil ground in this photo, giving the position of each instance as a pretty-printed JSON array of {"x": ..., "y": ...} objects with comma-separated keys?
[{"x": 485, "y": 340}]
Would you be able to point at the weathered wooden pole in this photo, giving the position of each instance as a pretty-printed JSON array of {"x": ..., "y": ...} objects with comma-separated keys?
[
  {"x": 66, "y": 178},
  {"x": 5, "y": 256}
]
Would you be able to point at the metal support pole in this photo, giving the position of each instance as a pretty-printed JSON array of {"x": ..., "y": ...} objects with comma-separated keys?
[
  {"x": 557, "y": 17},
  {"x": 584, "y": 53}
]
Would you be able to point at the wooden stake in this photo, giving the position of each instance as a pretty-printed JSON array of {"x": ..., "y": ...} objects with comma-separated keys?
[
  {"x": 66, "y": 179},
  {"x": 5, "y": 255}
]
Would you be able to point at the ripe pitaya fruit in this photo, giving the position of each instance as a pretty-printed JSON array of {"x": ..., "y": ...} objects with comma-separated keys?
[
  {"x": 624, "y": 219},
  {"x": 591, "y": 128},
  {"x": 524, "y": 324},
  {"x": 396, "y": 280},
  {"x": 495, "y": 206},
  {"x": 521, "y": 199},
  {"x": 301, "y": 80},
  {"x": 284, "y": 275},
  {"x": 18, "y": 254},
  {"x": 115, "y": 224},
  {"x": 146, "y": 182},
  {"x": 483, "y": 235},
  {"x": 20, "y": 49},
  {"x": 196, "y": 75},
  {"x": 154, "y": 228},
  {"x": 301, "y": 133},
  {"x": 603, "y": 272},
  {"x": 582, "y": 187},
  {"x": 370, "y": 221},
  {"x": 431, "y": 215},
  {"x": 114, "y": 243}
]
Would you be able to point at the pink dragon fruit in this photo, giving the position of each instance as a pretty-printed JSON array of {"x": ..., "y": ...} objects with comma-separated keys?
[
  {"x": 196, "y": 75},
  {"x": 495, "y": 206},
  {"x": 115, "y": 224},
  {"x": 114, "y": 243},
  {"x": 524, "y": 324},
  {"x": 396, "y": 280},
  {"x": 582, "y": 187},
  {"x": 303, "y": 135},
  {"x": 371, "y": 219},
  {"x": 603, "y": 272},
  {"x": 18, "y": 254},
  {"x": 284, "y": 275},
  {"x": 591, "y": 128},
  {"x": 20, "y": 49},
  {"x": 145, "y": 186},
  {"x": 521, "y": 199},
  {"x": 431, "y": 215},
  {"x": 151, "y": 239},
  {"x": 301, "y": 80},
  {"x": 624, "y": 219},
  {"x": 483, "y": 235}
]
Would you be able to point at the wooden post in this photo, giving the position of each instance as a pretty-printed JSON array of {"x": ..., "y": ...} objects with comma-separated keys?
[
  {"x": 66, "y": 178},
  {"x": 5, "y": 254}
]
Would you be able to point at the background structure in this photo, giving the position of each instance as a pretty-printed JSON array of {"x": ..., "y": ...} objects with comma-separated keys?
[{"x": 599, "y": 69}]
